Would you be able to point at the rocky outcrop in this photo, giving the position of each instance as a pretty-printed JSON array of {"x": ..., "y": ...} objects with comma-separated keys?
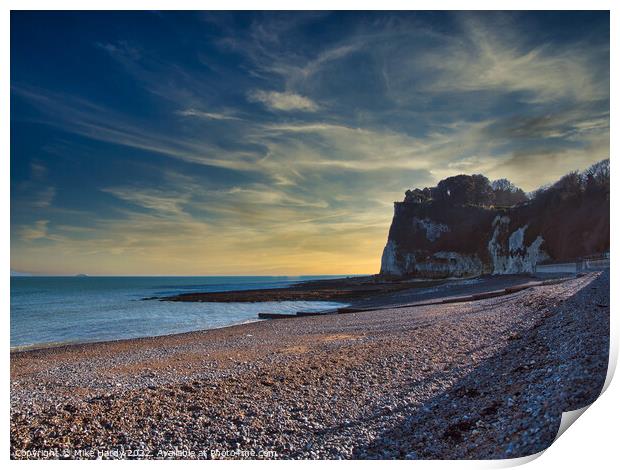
[
  {"x": 513, "y": 256},
  {"x": 437, "y": 239}
]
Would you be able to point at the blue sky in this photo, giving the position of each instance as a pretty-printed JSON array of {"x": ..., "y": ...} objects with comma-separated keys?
[{"x": 275, "y": 143}]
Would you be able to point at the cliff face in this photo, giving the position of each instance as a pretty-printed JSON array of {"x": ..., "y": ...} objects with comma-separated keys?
[{"x": 434, "y": 239}]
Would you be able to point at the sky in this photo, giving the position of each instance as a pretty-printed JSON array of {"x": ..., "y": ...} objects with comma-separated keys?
[{"x": 267, "y": 143}]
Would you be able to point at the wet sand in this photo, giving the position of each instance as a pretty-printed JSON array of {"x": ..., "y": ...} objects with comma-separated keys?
[{"x": 481, "y": 379}]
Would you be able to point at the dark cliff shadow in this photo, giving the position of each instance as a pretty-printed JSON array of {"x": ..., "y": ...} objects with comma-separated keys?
[{"x": 511, "y": 404}]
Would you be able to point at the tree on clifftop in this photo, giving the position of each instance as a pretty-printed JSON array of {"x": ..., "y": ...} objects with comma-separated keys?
[
  {"x": 506, "y": 193},
  {"x": 466, "y": 189},
  {"x": 597, "y": 177}
]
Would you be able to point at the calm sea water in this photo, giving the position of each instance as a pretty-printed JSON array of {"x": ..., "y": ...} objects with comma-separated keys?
[{"x": 48, "y": 310}]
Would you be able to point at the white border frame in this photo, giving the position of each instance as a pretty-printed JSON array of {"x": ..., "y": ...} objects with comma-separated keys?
[{"x": 591, "y": 443}]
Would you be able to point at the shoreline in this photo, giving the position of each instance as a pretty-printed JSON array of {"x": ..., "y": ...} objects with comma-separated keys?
[
  {"x": 68, "y": 344},
  {"x": 378, "y": 384},
  {"x": 379, "y": 299}
]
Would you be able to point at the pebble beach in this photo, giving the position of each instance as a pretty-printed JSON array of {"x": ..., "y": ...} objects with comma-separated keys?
[{"x": 485, "y": 379}]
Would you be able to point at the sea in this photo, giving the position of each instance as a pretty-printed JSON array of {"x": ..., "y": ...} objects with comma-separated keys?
[{"x": 60, "y": 310}]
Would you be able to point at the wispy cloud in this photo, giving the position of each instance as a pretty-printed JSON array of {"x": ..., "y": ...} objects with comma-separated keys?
[
  {"x": 283, "y": 101},
  {"x": 94, "y": 121},
  {"x": 207, "y": 115},
  {"x": 158, "y": 201},
  {"x": 35, "y": 193},
  {"x": 487, "y": 58},
  {"x": 36, "y": 231}
]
